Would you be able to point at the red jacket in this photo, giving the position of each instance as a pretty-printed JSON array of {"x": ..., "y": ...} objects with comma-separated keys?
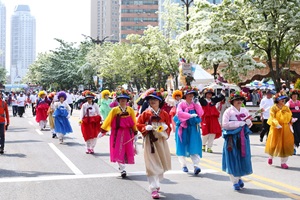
[{"x": 3, "y": 112}]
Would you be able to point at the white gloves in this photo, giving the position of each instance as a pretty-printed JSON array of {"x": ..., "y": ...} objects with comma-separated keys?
[
  {"x": 278, "y": 127},
  {"x": 149, "y": 127},
  {"x": 100, "y": 135},
  {"x": 294, "y": 120},
  {"x": 193, "y": 115},
  {"x": 242, "y": 123},
  {"x": 248, "y": 122},
  {"x": 165, "y": 126}
]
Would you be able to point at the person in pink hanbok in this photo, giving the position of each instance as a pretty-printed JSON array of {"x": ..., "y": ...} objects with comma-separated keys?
[
  {"x": 187, "y": 135},
  {"x": 121, "y": 121}
]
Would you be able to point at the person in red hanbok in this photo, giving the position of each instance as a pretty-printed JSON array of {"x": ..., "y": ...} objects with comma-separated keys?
[
  {"x": 42, "y": 106},
  {"x": 211, "y": 128},
  {"x": 121, "y": 121},
  {"x": 90, "y": 120}
]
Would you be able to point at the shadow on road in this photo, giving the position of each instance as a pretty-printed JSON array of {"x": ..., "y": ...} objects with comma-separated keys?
[
  {"x": 176, "y": 196},
  {"x": 18, "y": 155},
  {"x": 23, "y": 141},
  {"x": 261, "y": 193},
  {"x": 11, "y": 173}
]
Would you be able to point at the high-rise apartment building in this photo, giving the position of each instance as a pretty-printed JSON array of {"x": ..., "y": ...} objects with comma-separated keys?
[
  {"x": 136, "y": 15},
  {"x": 2, "y": 34},
  {"x": 105, "y": 19},
  {"x": 23, "y": 42}
]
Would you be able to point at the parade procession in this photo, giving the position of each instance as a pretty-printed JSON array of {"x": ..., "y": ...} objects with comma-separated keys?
[{"x": 161, "y": 99}]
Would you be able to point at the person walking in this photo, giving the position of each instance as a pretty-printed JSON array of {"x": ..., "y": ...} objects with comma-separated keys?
[
  {"x": 70, "y": 100},
  {"x": 154, "y": 124},
  {"x": 104, "y": 104},
  {"x": 61, "y": 117},
  {"x": 4, "y": 122},
  {"x": 280, "y": 142},
  {"x": 188, "y": 134},
  {"x": 21, "y": 101},
  {"x": 236, "y": 156},
  {"x": 211, "y": 128},
  {"x": 42, "y": 106},
  {"x": 14, "y": 104},
  {"x": 294, "y": 105},
  {"x": 90, "y": 120},
  {"x": 265, "y": 105},
  {"x": 121, "y": 121},
  {"x": 33, "y": 99},
  {"x": 50, "y": 114}
]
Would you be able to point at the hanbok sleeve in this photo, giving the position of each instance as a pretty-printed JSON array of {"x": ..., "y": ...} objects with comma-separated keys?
[
  {"x": 226, "y": 123},
  {"x": 141, "y": 123},
  {"x": 198, "y": 109},
  {"x": 182, "y": 116},
  {"x": 106, "y": 126},
  {"x": 132, "y": 114},
  {"x": 272, "y": 121},
  {"x": 167, "y": 121}
]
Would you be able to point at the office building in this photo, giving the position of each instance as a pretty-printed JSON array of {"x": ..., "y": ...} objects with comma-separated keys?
[
  {"x": 2, "y": 34},
  {"x": 136, "y": 15},
  {"x": 23, "y": 42},
  {"x": 105, "y": 19}
]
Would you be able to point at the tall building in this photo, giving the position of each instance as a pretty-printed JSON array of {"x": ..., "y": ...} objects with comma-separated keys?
[
  {"x": 105, "y": 19},
  {"x": 136, "y": 15},
  {"x": 2, "y": 34},
  {"x": 23, "y": 42}
]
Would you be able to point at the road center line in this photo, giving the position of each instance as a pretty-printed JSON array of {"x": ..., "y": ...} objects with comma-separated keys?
[
  {"x": 68, "y": 162},
  {"x": 87, "y": 176},
  {"x": 39, "y": 132}
]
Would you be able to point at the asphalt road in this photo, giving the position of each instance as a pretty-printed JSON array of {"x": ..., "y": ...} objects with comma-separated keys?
[{"x": 37, "y": 167}]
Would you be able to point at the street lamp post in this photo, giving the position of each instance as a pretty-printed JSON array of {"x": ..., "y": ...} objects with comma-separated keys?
[
  {"x": 187, "y": 4},
  {"x": 98, "y": 41}
]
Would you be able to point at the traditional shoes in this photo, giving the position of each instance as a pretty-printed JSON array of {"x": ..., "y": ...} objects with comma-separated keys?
[
  {"x": 155, "y": 195},
  {"x": 90, "y": 151},
  {"x": 239, "y": 185},
  {"x": 203, "y": 148},
  {"x": 284, "y": 166},
  {"x": 123, "y": 174},
  {"x": 270, "y": 161},
  {"x": 197, "y": 170},
  {"x": 209, "y": 150},
  {"x": 185, "y": 169}
]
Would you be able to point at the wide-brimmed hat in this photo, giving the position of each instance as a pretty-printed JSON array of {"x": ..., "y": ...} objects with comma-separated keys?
[
  {"x": 280, "y": 96},
  {"x": 269, "y": 91},
  {"x": 155, "y": 95},
  {"x": 89, "y": 94},
  {"x": 208, "y": 90},
  {"x": 123, "y": 94},
  {"x": 237, "y": 95},
  {"x": 189, "y": 90}
]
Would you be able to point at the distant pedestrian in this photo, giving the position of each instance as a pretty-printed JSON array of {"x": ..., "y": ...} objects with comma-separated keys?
[
  {"x": 21, "y": 101},
  {"x": 4, "y": 122},
  {"x": 42, "y": 106},
  {"x": 265, "y": 105}
]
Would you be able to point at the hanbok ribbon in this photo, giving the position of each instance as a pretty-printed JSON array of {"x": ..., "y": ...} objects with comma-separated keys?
[
  {"x": 183, "y": 124},
  {"x": 242, "y": 135}
]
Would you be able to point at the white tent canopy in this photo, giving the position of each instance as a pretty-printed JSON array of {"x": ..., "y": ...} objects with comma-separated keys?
[{"x": 201, "y": 77}]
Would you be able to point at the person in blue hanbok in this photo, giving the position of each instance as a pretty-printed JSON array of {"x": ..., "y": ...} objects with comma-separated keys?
[
  {"x": 187, "y": 134},
  {"x": 236, "y": 157},
  {"x": 61, "y": 117}
]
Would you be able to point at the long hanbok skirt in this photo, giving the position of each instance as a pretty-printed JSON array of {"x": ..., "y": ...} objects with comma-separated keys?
[
  {"x": 62, "y": 123},
  {"x": 121, "y": 141},
  {"x": 232, "y": 160},
  {"x": 41, "y": 112},
  {"x": 90, "y": 127}
]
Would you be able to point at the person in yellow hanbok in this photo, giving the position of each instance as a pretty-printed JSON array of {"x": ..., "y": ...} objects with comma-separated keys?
[{"x": 280, "y": 142}]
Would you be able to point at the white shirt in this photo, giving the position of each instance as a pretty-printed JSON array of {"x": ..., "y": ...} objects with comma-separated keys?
[
  {"x": 21, "y": 101},
  {"x": 33, "y": 98},
  {"x": 266, "y": 104},
  {"x": 70, "y": 98},
  {"x": 94, "y": 111}
]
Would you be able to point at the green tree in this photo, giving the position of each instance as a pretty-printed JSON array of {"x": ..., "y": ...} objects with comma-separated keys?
[
  {"x": 3, "y": 73},
  {"x": 270, "y": 27}
]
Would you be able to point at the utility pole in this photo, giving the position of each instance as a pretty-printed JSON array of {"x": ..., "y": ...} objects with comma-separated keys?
[{"x": 187, "y": 4}]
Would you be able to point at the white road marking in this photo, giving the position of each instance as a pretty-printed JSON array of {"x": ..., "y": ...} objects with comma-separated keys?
[
  {"x": 39, "y": 132},
  {"x": 30, "y": 122},
  {"x": 68, "y": 162},
  {"x": 87, "y": 176}
]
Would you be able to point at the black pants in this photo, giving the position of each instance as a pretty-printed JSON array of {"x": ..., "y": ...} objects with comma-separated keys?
[
  {"x": 265, "y": 129},
  {"x": 15, "y": 110},
  {"x": 21, "y": 110},
  {"x": 33, "y": 109},
  {"x": 2, "y": 135},
  {"x": 71, "y": 105}
]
